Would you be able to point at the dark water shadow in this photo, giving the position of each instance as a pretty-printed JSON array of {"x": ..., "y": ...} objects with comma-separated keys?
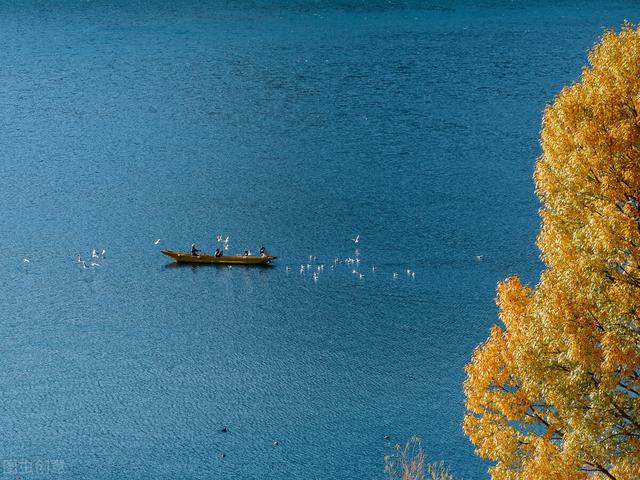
[{"x": 173, "y": 265}]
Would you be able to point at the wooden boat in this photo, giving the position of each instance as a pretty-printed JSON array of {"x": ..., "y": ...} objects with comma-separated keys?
[{"x": 182, "y": 257}]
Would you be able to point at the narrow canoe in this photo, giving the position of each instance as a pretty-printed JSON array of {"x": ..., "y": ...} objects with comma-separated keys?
[{"x": 182, "y": 257}]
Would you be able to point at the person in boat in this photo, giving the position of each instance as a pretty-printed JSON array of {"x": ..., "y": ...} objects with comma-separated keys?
[
  {"x": 263, "y": 252},
  {"x": 246, "y": 253},
  {"x": 194, "y": 250},
  {"x": 218, "y": 253}
]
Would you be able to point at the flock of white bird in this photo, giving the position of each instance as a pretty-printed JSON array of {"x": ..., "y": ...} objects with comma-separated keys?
[
  {"x": 313, "y": 266},
  {"x": 353, "y": 263},
  {"x": 95, "y": 256}
]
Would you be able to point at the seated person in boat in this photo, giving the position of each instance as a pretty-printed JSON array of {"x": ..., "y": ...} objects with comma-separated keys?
[
  {"x": 246, "y": 253},
  {"x": 194, "y": 250},
  {"x": 263, "y": 252},
  {"x": 218, "y": 253}
]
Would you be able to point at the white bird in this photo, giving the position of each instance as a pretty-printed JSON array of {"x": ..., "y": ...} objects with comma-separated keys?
[
  {"x": 94, "y": 264},
  {"x": 395, "y": 275},
  {"x": 357, "y": 239},
  {"x": 156, "y": 242},
  {"x": 219, "y": 238},
  {"x": 301, "y": 268},
  {"x": 79, "y": 259},
  {"x": 26, "y": 260},
  {"x": 373, "y": 269},
  {"x": 413, "y": 274},
  {"x": 479, "y": 258},
  {"x": 94, "y": 254},
  {"x": 286, "y": 267},
  {"x": 84, "y": 265},
  {"x": 408, "y": 272},
  {"x": 104, "y": 252},
  {"x": 354, "y": 271},
  {"x": 361, "y": 276}
]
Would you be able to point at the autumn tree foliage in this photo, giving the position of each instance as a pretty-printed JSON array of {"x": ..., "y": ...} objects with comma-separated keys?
[{"x": 554, "y": 393}]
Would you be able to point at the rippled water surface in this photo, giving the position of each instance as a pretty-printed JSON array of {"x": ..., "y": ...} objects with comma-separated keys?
[{"x": 298, "y": 125}]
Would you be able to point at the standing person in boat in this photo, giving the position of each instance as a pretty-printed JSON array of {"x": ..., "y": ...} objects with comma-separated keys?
[{"x": 194, "y": 250}]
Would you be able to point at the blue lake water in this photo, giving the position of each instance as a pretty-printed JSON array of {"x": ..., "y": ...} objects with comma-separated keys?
[{"x": 297, "y": 125}]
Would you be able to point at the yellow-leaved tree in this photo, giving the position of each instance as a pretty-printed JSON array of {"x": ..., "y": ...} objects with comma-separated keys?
[{"x": 554, "y": 393}]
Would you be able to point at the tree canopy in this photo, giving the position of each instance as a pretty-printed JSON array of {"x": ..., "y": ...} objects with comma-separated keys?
[{"x": 554, "y": 393}]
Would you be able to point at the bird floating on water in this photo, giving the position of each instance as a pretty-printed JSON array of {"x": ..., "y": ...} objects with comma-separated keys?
[
  {"x": 156, "y": 242},
  {"x": 357, "y": 239}
]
